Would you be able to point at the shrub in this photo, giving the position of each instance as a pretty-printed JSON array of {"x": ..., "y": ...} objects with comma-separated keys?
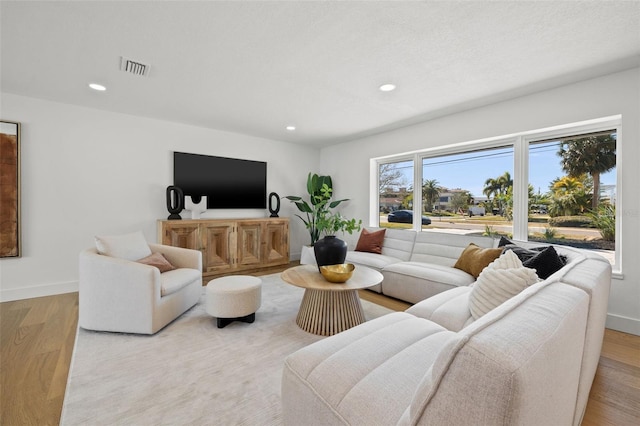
[
  {"x": 605, "y": 221},
  {"x": 549, "y": 233},
  {"x": 571, "y": 221},
  {"x": 489, "y": 231}
]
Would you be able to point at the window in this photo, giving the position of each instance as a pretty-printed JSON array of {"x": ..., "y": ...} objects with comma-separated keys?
[
  {"x": 395, "y": 194},
  {"x": 537, "y": 185},
  {"x": 572, "y": 191},
  {"x": 469, "y": 192}
]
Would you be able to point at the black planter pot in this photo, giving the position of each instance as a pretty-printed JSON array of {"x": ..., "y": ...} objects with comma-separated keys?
[{"x": 330, "y": 251}]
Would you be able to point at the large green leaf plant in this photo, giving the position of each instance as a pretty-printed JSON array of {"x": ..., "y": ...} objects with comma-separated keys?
[{"x": 319, "y": 217}]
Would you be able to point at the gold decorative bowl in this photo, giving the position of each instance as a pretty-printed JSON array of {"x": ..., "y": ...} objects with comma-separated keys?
[{"x": 337, "y": 273}]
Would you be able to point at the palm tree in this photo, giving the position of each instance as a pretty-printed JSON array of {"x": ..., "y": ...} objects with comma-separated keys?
[
  {"x": 430, "y": 192},
  {"x": 593, "y": 155},
  {"x": 498, "y": 188},
  {"x": 569, "y": 195},
  {"x": 566, "y": 184}
]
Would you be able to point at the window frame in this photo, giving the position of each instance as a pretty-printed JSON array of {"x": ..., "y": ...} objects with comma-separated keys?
[{"x": 520, "y": 143}]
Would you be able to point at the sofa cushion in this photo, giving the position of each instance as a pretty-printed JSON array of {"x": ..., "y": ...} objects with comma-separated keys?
[
  {"x": 398, "y": 243},
  {"x": 500, "y": 371},
  {"x": 501, "y": 280},
  {"x": 371, "y": 241},
  {"x": 474, "y": 259},
  {"x": 449, "y": 309},
  {"x": 131, "y": 246},
  {"x": 157, "y": 260},
  {"x": 416, "y": 281},
  {"x": 365, "y": 375},
  {"x": 372, "y": 260},
  {"x": 442, "y": 248},
  {"x": 173, "y": 281}
]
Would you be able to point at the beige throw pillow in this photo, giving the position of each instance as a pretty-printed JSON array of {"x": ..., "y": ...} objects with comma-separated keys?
[{"x": 500, "y": 281}]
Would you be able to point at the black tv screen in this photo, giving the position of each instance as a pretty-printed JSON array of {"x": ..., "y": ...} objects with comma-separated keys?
[{"x": 228, "y": 183}]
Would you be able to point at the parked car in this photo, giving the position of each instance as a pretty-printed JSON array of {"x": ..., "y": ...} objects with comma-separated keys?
[{"x": 405, "y": 216}]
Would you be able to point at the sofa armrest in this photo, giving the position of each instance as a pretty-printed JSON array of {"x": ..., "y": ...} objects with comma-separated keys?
[
  {"x": 180, "y": 257},
  {"x": 112, "y": 291},
  {"x": 450, "y": 309}
]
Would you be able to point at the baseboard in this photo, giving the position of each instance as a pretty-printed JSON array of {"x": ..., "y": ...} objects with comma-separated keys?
[
  {"x": 624, "y": 324},
  {"x": 8, "y": 295}
]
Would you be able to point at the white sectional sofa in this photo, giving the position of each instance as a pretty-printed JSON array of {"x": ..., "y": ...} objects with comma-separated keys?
[
  {"x": 529, "y": 361},
  {"x": 418, "y": 265}
]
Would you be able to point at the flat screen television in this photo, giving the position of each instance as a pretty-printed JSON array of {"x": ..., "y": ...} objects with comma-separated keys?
[{"x": 228, "y": 183}]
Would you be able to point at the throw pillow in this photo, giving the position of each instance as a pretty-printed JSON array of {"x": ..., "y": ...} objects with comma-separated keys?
[
  {"x": 523, "y": 254},
  {"x": 500, "y": 281},
  {"x": 129, "y": 246},
  {"x": 504, "y": 242},
  {"x": 159, "y": 261},
  {"x": 371, "y": 242},
  {"x": 474, "y": 259},
  {"x": 546, "y": 262}
]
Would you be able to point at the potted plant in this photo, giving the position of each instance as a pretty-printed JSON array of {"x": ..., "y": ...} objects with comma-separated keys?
[{"x": 320, "y": 218}]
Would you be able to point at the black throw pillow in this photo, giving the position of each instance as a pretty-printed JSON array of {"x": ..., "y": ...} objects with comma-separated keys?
[
  {"x": 545, "y": 262},
  {"x": 504, "y": 242},
  {"x": 522, "y": 253}
]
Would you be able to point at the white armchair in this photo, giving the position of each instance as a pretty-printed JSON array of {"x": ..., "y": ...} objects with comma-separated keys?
[{"x": 125, "y": 296}]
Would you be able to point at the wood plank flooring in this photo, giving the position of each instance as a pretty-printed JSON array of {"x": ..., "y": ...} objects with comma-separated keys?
[{"x": 37, "y": 338}]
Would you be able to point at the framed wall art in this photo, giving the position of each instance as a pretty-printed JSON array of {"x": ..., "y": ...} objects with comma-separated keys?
[{"x": 10, "y": 244}]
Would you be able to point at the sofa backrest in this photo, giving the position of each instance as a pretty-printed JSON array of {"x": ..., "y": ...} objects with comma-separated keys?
[
  {"x": 518, "y": 364},
  {"x": 397, "y": 243},
  {"x": 444, "y": 248},
  {"x": 592, "y": 274}
]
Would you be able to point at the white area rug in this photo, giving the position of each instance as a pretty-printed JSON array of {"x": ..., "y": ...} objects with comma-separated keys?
[{"x": 191, "y": 372}]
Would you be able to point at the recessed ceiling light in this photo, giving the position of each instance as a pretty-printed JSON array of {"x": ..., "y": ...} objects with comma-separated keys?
[
  {"x": 291, "y": 128},
  {"x": 387, "y": 87},
  {"x": 98, "y": 87}
]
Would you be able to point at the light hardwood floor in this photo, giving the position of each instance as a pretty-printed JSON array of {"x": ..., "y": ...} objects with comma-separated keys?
[{"x": 37, "y": 337}]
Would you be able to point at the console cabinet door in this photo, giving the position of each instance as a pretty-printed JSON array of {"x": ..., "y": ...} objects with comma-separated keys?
[
  {"x": 185, "y": 235},
  {"x": 275, "y": 242},
  {"x": 218, "y": 239},
  {"x": 249, "y": 252}
]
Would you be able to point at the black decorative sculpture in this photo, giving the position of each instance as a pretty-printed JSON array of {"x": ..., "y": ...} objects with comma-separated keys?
[
  {"x": 175, "y": 202},
  {"x": 272, "y": 210}
]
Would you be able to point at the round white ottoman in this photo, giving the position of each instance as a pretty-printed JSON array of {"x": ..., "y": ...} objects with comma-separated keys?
[{"x": 234, "y": 298}]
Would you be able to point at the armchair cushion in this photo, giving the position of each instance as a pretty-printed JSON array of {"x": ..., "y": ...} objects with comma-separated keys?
[
  {"x": 131, "y": 246},
  {"x": 173, "y": 281}
]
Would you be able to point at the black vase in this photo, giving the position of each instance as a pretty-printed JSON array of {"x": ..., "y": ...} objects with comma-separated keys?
[
  {"x": 175, "y": 202},
  {"x": 330, "y": 251}
]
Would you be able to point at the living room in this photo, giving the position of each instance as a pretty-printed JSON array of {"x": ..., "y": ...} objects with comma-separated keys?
[{"x": 88, "y": 170}]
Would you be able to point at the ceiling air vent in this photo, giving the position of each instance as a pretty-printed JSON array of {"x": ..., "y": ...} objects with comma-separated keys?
[{"x": 134, "y": 67}]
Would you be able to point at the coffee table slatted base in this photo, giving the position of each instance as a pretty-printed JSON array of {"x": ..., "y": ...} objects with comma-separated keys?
[{"x": 329, "y": 312}]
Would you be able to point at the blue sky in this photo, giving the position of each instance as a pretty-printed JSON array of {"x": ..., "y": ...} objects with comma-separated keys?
[{"x": 470, "y": 170}]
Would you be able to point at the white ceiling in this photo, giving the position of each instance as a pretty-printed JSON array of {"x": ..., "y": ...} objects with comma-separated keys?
[{"x": 254, "y": 67}]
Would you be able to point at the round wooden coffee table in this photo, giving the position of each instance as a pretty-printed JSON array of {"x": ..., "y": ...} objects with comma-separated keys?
[{"x": 329, "y": 308}]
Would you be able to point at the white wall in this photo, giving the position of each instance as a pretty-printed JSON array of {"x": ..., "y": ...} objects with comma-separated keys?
[
  {"x": 619, "y": 93},
  {"x": 87, "y": 172}
]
